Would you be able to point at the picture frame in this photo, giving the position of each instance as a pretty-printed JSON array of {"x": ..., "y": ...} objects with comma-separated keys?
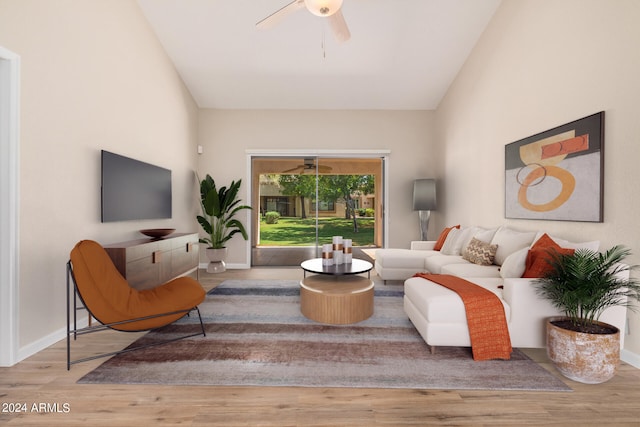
[{"x": 557, "y": 174}]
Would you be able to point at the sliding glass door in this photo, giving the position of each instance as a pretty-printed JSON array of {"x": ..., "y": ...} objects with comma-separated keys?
[{"x": 304, "y": 201}]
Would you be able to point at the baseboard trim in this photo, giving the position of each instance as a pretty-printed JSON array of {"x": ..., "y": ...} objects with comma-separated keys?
[
  {"x": 47, "y": 341},
  {"x": 631, "y": 358},
  {"x": 203, "y": 266}
]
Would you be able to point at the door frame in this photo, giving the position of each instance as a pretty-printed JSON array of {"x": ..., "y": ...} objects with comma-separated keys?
[
  {"x": 9, "y": 205},
  {"x": 383, "y": 154}
]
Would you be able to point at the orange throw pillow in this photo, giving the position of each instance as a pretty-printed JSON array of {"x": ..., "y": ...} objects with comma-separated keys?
[
  {"x": 537, "y": 263},
  {"x": 443, "y": 237}
]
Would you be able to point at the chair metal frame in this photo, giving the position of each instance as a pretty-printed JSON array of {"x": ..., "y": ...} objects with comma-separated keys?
[{"x": 104, "y": 326}]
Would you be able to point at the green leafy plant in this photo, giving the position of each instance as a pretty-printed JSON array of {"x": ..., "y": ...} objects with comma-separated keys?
[
  {"x": 219, "y": 206},
  {"x": 586, "y": 283}
]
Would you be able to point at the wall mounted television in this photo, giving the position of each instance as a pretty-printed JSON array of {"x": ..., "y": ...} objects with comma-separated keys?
[{"x": 134, "y": 190}]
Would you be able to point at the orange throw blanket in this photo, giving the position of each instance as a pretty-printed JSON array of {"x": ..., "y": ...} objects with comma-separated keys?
[{"x": 485, "y": 317}]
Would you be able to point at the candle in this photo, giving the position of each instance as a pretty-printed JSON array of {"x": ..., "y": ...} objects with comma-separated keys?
[
  {"x": 337, "y": 250},
  {"x": 327, "y": 255},
  {"x": 347, "y": 251}
]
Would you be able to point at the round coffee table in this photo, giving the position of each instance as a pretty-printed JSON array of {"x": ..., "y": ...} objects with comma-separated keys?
[
  {"x": 336, "y": 294},
  {"x": 357, "y": 266}
]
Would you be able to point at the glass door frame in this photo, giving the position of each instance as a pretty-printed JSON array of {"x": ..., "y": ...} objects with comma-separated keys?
[{"x": 253, "y": 183}]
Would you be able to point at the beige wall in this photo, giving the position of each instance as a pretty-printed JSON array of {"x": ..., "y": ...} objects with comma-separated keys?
[
  {"x": 541, "y": 64},
  {"x": 93, "y": 77},
  {"x": 226, "y": 135}
]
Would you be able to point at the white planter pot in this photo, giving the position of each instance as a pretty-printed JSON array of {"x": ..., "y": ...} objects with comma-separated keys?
[
  {"x": 582, "y": 357},
  {"x": 216, "y": 258}
]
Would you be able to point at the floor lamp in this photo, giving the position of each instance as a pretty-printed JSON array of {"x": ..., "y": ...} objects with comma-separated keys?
[{"x": 424, "y": 201}]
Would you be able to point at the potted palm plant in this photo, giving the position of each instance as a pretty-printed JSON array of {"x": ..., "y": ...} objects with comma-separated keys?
[
  {"x": 583, "y": 284},
  {"x": 219, "y": 207}
]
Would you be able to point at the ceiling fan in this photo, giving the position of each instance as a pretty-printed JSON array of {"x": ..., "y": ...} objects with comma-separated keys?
[
  {"x": 309, "y": 166},
  {"x": 330, "y": 9}
]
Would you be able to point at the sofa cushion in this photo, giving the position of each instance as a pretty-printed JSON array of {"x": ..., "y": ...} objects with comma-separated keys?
[
  {"x": 479, "y": 252},
  {"x": 468, "y": 269},
  {"x": 422, "y": 245},
  {"x": 509, "y": 241},
  {"x": 434, "y": 264},
  {"x": 441, "y": 305},
  {"x": 443, "y": 237},
  {"x": 403, "y": 258},
  {"x": 537, "y": 263}
]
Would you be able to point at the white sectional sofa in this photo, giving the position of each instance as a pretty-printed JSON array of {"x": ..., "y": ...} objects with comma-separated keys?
[{"x": 439, "y": 314}]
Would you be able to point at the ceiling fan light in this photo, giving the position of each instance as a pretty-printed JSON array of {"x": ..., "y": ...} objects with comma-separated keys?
[{"x": 323, "y": 7}]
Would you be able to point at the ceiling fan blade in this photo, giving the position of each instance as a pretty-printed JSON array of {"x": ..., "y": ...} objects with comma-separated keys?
[
  {"x": 273, "y": 19},
  {"x": 297, "y": 169},
  {"x": 339, "y": 27}
]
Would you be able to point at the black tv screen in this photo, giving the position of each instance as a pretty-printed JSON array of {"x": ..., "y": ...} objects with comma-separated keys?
[{"x": 132, "y": 189}]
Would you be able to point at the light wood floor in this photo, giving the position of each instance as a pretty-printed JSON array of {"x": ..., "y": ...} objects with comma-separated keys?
[{"x": 43, "y": 378}]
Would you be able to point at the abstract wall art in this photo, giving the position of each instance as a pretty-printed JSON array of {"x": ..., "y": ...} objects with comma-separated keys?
[{"x": 557, "y": 174}]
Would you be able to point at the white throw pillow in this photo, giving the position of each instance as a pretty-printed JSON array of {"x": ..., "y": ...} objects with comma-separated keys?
[
  {"x": 593, "y": 245},
  {"x": 485, "y": 235},
  {"x": 515, "y": 264},
  {"x": 450, "y": 246},
  {"x": 509, "y": 241},
  {"x": 464, "y": 237},
  {"x": 470, "y": 232}
]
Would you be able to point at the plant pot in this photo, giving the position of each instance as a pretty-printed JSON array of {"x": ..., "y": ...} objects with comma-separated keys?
[
  {"x": 216, "y": 260},
  {"x": 583, "y": 357}
]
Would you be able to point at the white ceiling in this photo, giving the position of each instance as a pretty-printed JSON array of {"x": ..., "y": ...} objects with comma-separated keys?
[{"x": 403, "y": 54}]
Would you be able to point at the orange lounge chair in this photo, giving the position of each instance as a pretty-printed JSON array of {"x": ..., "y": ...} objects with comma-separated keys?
[{"x": 109, "y": 299}]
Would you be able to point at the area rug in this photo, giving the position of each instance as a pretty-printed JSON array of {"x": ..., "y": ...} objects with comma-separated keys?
[{"x": 256, "y": 336}]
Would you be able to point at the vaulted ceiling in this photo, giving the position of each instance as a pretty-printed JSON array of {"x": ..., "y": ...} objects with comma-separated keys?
[{"x": 402, "y": 54}]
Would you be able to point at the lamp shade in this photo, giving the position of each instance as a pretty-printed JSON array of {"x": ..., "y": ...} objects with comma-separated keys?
[
  {"x": 424, "y": 194},
  {"x": 323, "y": 7}
]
